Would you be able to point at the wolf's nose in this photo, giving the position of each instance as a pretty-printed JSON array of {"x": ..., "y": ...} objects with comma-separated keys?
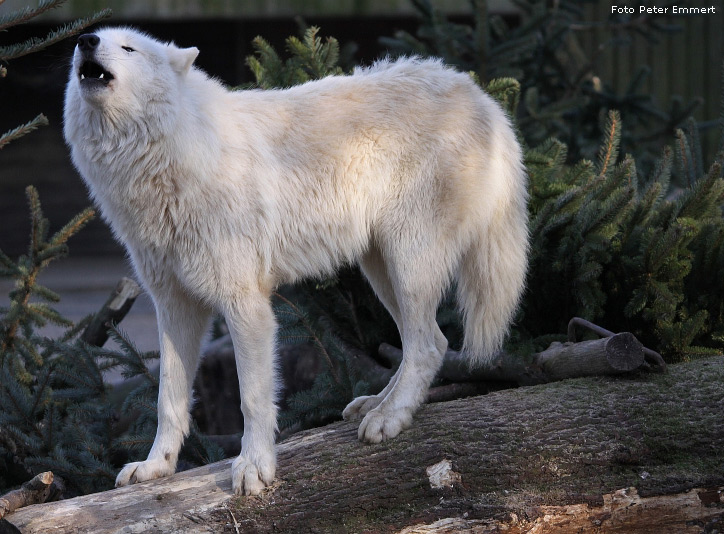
[{"x": 88, "y": 42}]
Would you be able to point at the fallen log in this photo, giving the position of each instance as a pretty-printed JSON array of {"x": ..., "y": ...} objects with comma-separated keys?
[{"x": 644, "y": 453}]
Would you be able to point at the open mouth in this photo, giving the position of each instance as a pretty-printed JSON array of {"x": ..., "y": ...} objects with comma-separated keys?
[{"x": 92, "y": 72}]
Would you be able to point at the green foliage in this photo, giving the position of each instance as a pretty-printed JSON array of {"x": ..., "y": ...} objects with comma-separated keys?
[
  {"x": 36, "y": 44},
  {"x": 23, "y": 129},
  {"x": 310, "y": 59},
  {"x": 609, "y": 248},
  {"x": 24, "y": 315}
]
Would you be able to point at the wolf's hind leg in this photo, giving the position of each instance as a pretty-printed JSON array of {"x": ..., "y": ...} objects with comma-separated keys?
[
  {"x": 417, "y": 281},
  {"x": 375, "y": 270},
  {"x": 359, "y": 407}
]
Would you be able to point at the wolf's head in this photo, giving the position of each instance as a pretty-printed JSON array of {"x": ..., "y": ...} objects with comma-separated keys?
[{"x": 121, "y": 69}]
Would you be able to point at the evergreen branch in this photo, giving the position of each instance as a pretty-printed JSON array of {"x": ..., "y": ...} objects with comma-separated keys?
[
  {"x": 35, "y": 44},
  {"x": 506, "y": 91},
  {"x": 315, "y": 339},
  {"x": 72, "y": 227},
  {"x": 662, "y": 172},
  {"x": 48, "y": 314},
  {"x": 136, "y": 442},
  {"x": 646, "y": 208},
  {"x": 145, "y": 390},
  {"x": 612, "y": 137},
  {"x": 43, "y": 385},
  {"x": 16, "y": 133},
  {"x": 80, "y": 373},
  {"x": 693, "y": 134},
  {"x": 132, "y": 358},
  {"x": 18, "y": 397},
  {"x": 10, "y": 267},
  {"x": 24, "y": 15},
  {"x": 684, "y": 159},
  {"x": 705, "y": 197},
  {"x": 636, "y": 303},
  {"x": 27, "y": 349},
  {"x": 45, "y": 293},
  {"x": 49, "y": 426},
  {"x": 37, "y": 227}
]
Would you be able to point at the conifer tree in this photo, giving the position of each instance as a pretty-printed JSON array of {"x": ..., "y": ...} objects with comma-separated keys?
[
  {"x": 311, "y": 59},
  {"x": 609, "y": 246}
]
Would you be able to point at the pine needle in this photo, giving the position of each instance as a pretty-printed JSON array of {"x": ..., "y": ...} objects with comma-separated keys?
[
  {"x": 35, "y": 44},
  {"x": 16, "y": 133}
]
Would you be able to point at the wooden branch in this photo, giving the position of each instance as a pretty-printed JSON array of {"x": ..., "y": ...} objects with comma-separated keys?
[
  {"x": 34, "y": 491},
  {"x": 617, "y": 354},
  {"x": 620, "y": 353},
  {"x": 113, "y": 311},
  {"x": 655, "y": 357},
  {"x": 553, "y": 458}
]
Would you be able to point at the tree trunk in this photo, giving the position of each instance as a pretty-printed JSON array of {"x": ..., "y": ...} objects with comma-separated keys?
[{"x": 643, "y": 453}]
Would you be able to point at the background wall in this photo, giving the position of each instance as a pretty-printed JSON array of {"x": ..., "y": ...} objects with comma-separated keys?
[{"x": 685, "y": 64}]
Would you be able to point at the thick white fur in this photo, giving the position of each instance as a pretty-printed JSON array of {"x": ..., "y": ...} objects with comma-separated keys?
[{"x": 406, "y": 167}]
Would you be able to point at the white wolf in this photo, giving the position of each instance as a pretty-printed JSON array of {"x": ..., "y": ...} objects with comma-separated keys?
[{"x": 406, "y": 167}]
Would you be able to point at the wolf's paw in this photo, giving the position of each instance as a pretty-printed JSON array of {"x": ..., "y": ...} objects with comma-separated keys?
[
  {"x": 379, "y": 425},
  {"x": 141, "y": 471},
  {"x": 251, "y": 478},
  {"x": 359, "y": 407}
]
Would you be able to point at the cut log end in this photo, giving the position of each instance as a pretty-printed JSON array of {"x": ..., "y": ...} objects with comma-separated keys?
[
  {"x": 624, "y": 352},
  {"x": 33, "y": 491}
]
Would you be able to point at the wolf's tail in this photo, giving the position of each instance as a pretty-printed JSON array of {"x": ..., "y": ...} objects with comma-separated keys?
[{"x": 492, "y": 272}]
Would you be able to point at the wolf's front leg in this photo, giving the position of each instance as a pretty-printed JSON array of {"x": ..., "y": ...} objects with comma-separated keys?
[
  {"x": 252, "y": 327},
  {"x": 182, "y": 322}
]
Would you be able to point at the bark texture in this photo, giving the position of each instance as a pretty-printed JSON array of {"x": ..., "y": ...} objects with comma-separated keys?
[
  {"x": 34, "y": 491},
  {"x": 119, "y": 303},
  {"x": 644, "y": 453}
]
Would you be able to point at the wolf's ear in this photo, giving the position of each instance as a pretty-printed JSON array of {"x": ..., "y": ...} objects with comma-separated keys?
[{"x": 181, "y": 59}]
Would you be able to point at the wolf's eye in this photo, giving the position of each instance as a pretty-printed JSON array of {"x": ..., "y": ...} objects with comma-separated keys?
[{"x": 128, "y": 49}]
